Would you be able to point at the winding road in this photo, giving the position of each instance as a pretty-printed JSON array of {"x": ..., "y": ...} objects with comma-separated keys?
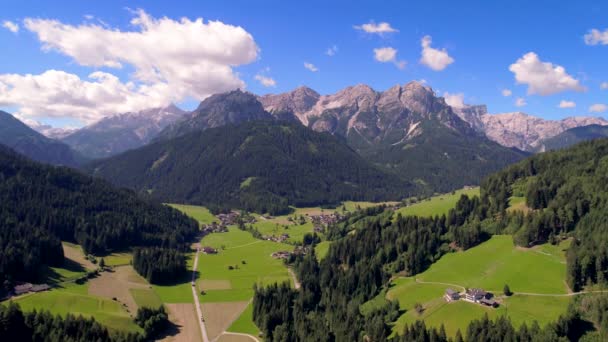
[{"x": 197, "y": 302}]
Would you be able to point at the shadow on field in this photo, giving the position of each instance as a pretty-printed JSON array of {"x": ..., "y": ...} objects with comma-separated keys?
[{"x": 172, "y": 330}]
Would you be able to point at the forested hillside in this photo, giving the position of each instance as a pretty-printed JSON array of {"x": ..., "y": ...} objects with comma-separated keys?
[
  {"x": 42, "y": 205},
  {"x": 259, "y": 166},
  {"x": 566, "y": 192},
  {"x": 21, "y": 138}
]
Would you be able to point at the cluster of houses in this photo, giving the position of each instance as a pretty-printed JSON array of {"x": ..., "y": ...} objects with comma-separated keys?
[
  {"x": 24, "y": 288},
  {"x": 281, "y": 238},
  {"x": 298, "y": 250},
  {"x": 214, "y": 228},
  {"x": 478, "y": 296}
]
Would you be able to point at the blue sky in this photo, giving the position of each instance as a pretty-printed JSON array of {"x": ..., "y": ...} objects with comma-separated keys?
[{"x": 482, "y": 38}]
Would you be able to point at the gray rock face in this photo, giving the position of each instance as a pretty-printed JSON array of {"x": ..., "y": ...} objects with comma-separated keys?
[
  {"x": 122, "y": 132},
  {"x": 520, "y": 130},
  {"x": 298, "y": 101},
  {"x": 366, "y": 116}
]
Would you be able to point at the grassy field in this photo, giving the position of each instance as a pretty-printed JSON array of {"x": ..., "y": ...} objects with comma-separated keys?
[
  {"x": 491, "y": 265},
  {"x": 437, "y": 205},
  {"x": 280, "y": 225},
  {"x": 236, "y": 247},
  {"x": 244, "y": 324},
  {"x": 75, "y": 299},
  {"x": 321, "y": 249},
  {"x": 146, "y": 298},
  {"x": 201, "y": 214}
]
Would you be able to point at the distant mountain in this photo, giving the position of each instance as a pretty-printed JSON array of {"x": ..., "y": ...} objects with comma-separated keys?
[
  {"x": 520, "y": 130},
  {"x": 20, "y": 137},
  {"x": 257, "y": 165},
  {"x": 406, "y": 129},
  {"x": 122, "y": 132},
  {"x": 49, "y": 131},
  {"x": 574, "y": 136},
  {"x": 219, "y": 110}
]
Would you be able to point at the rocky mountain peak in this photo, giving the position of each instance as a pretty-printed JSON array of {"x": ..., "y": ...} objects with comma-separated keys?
[{"x": 297, "y": 101}]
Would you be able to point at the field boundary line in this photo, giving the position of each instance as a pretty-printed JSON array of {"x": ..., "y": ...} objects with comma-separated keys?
[{"x": 239, "y": 334}]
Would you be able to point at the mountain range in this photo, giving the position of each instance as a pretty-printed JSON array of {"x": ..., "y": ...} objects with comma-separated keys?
[
  {"x": 521, "y": 130},
  {"x": 23, "y": 139},
  {"x": 122, "y": 132}
]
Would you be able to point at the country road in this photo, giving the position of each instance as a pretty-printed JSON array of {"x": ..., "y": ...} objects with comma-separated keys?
[{"x": 197, "y": 303}]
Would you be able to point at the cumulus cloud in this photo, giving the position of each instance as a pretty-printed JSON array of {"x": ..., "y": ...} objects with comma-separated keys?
[
  {"x": 506, "y": 92},
  {"x": 388, "y": 55},
  {"x": 434, "y": 58},
  {"x": 454, "y": 100},
  {"x": 311, "y": 67},
  {"x": 172, "y": 60},
  {"x": 59, "y": 94},
  {"x": 11, "y": 26},
  {"x": 604, "y": 85},
  {"x": 566, "y": 104},
  {"x": 598, "y": 108},
  {"x": 373, "y": 28},
  {"x": 331, "y": 51},
  {"x": 520, "y": 102},
  {"x": 596, "y": 37},
  {"x": 543, "y": 78},
  {"x": 265, "y": 80}
]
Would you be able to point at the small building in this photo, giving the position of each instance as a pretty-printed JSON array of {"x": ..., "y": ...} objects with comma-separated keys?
[
  {"x": 209, "y": 250},
  {"x": 451, "y": 295},
  {"x": 281, "y": 255},
  {"x": 40, "y": 288},
  {"x": 475, "y": 295},
  {"x": 22, "y": 288}
]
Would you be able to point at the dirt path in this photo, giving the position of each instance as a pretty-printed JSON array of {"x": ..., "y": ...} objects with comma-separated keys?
[
  {"x": 197, "y": 303},
  {"x": 226, "y": 337},
  {"x": 296, "y": 283},
  {"x": 439, "y": 283},
  {"x": 247, "y": 244}
]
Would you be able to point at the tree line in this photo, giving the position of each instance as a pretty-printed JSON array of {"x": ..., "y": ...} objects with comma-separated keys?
[{"x": 159, "y": 265}]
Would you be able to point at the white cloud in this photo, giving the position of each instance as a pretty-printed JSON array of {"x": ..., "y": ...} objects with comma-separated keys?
[
  {"x": 311, "y": 67},
  {"x": 604, "y": 85},
  {"x": 331, "y": 51},
  {"x": 434, "y": 58},
  {"x": 566, "y": 104},
  {"x": 265, "y": 80},
  {"x": 596, "y": 37},
  {"x": 388, "y": 54},
  {"x": 373, "y": 28},
  {"x": 11, "y": 26},
  {"x": 520, "y": 102},
  {"x": 59, "y": 94},
  {"x": 454, "y": 100},
  {"x": 543, "y": 78},
  {"x": 89, "y": 16},
  {"x": 506, "y": 92},
  {"x": 598, "y": 108},
  {"x": 173, "y": 60}
]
